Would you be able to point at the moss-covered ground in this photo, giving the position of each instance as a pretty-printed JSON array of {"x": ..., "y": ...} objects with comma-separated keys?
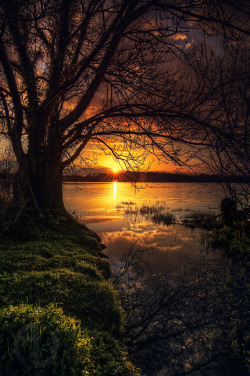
[{"x": 59, "y": 314}]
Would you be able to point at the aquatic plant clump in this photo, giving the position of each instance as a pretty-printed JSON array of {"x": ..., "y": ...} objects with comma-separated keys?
[
  {"x": 196, "y": 219},
  {"x": 164, "y": 218},
  {"x": 157, "y": 213}
]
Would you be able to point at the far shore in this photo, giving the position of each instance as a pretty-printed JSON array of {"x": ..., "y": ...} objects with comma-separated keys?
[
  {"x": 154, "y": 177},
  {"x": 143, "y": 177}
]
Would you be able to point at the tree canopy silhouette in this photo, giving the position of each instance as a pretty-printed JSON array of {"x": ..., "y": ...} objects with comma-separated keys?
[{"x": 104, "y": 71}]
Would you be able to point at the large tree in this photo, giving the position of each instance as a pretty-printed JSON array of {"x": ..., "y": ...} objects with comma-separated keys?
[{"x": 75, "y": 71}]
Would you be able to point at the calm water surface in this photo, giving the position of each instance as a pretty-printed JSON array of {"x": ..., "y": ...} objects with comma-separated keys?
[{"x": 108, "y": 209}]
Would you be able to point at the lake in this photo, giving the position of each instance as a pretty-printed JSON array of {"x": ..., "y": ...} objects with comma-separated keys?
[
  {"x": 113, "y": 210},
  {"x": 174, "y": 290}
]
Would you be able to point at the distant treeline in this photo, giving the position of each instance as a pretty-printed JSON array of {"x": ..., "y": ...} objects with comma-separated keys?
[
  {"x": 154, "y": 177},
  {"x": 145, "y": 177}
]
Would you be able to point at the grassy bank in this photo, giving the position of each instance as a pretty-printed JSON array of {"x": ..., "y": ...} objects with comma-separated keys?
[{"x": 59, "y": 315}]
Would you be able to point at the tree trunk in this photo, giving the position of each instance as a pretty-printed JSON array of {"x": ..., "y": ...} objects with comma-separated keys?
[{"x": 39, "y": 185}]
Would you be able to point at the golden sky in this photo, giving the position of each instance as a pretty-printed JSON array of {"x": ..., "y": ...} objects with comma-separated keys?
[{"x": 100, "y": 160}]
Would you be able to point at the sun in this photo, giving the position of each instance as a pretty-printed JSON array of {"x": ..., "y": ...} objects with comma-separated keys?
[{"x": 115, "y": 170}]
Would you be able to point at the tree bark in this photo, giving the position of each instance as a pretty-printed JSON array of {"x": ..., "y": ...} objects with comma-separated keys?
[{"x": 39, "y": 184}]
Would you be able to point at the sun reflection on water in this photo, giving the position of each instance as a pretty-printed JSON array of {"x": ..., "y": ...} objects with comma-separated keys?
[{"x": 115, "y": 190}]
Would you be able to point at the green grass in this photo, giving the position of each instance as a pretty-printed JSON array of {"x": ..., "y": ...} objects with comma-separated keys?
[
  {"x": 43, "y": 341},
  {"x": 37, "y": 255},
  {"x": 52, "y": 273},
  {"x": 94, "y": 302}
]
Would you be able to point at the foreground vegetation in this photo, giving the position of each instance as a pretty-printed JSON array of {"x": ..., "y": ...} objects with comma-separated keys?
[{"x": 59, "y": 315}]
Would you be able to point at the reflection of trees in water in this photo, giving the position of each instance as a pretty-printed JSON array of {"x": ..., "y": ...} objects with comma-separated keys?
[{"x": 195, "y": 324}]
